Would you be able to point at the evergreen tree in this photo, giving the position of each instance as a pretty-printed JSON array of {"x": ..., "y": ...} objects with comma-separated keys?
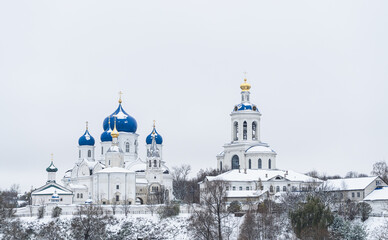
[{"x": 311, "y": 219}]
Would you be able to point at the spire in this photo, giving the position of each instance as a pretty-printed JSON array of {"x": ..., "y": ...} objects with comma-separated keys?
[
  {"x": 154, "y": 124},
  {"x": 120, "y": 93},
  {"x": 114, "y": 133},
  {"x": 87, "y": 128}
]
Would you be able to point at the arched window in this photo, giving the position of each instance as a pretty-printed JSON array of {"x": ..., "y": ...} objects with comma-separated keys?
[
  {"x": 127, "y": 146},
  {"x": 221, "y": 166},
  {"x": 271, "y": 188},
  {"x": 79, "y": 154},
  {"x": 269, "y": 163},
  {"x": 155, "y": 163},
  {"x": 89, "y": 153},
  {"x": 277, "y": 189},
  {"x": 284, "y": 189},
  {"x": 250, "y": 164},
  {"x": 150, "y": 163},
  {"x": 235, "y": 162},
  {"x": 259, "y": 164},
  {"x": 102, "y": 150},
  {"x": 235, "y": 131},
  {"x": 159, "y": 163},
  {"x": 245, "y": 130},
  {"x": 254, "y": 135}
]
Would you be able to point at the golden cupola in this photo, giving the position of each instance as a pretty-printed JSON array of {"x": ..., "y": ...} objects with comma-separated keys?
[
  {"x": 245, "y": 86},
  {"x": 114, "y": 133}
]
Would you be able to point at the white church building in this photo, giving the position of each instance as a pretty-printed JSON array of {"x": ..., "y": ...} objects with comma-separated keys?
[
  {"x": 250, "y": 164},
  {"x": 113, "y": 173}
]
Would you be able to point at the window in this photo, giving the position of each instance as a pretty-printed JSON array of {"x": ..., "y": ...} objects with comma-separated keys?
[
  {"x": 117, "y": 186},
  {"x": 352, "y": 194},
  {"x": 89, "y": 153},
  {"x": 277, "y": 189},
  {"x": 254, "y": 131},
  {"x": 261, "y": 187},
  {"x": 155, "y": 189},
  {"x": 221, "y": 166},
  {"x": 358, "y": 194},
  {"x": 82, "y": 195},
  {"x": 150, "y": 164},
  {"x": 247, "y": 188},
  {"x": 259, "y": 164},
  {"x": 235, "y": 162},
  {"x": 127, "y": 146},
  {"x": 109, "y": 162},
  {"x": 159, "y": 163},
  {"x": 155, "y": 163},
  {"x": 271, "y": 188},
  {"x": 102, "y": 150},
  {"x": 235, "y": 131},
  {"x": 245, "y": 130},
  {"x": 117, "y": 198},
  {"x": 269, "y": 163},
  {"x": 234, "y": 188},
  {"x": 227, "y": 188},
  {"x": 240, "y": 188},
  {"x": 103, "y": 203},
  {"x": 284, "y": 189},
  {"x": 250, "y": 164},
  {"x": 77, "y": 195}
]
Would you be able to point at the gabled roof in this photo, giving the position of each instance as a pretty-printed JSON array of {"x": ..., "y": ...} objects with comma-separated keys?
[
  {"x": 349, "y": 183},
  {"x": 378, "y": 194},
  {"x": 263, "y": 174},
  {"x": 50, "y": 188}
]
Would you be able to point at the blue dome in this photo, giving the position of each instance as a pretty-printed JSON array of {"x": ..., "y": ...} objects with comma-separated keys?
[
  {"x": 86, "y": 139},
  {"x": 106, "y": 137},
  {"x": 124, "y": 122},
  {"x": 245, "y": 106},
  {"x": 158, "y": 138}
]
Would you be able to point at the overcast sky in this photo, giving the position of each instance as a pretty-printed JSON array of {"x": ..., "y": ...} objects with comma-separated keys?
[{"x": 318, "y": 71}]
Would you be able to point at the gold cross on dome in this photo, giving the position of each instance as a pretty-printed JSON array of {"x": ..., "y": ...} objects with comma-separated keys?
[
  {"x": 245, "y": 75},
  {"x": 154, "y": 123},
  {"x": 52, "y": 157},
  {"x": 87, "y": 123},
  {"x": 120, "y": 93}
]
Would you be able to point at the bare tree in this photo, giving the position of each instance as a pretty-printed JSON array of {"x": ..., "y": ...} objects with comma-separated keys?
[
  {"x": 125, "y": 207},
  {"x": 180, "y": 181},
  {"x": 380, "y": 169},
  {"x": 89, "y": 222}
]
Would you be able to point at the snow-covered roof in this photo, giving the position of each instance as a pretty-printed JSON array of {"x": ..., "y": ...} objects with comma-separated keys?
[
  {"x": 141, "y": 180},
  {"x": 349, "y": 183},
  {"x": 114, "y": 170},
  {"x": 378, "y": 194},
  {"x": 138, "y": 167},
  {"x": 263, "y": 174},
  {"x": 50, "y": 188},
  {"x": 261, "y": 149},
  {"x": 249, "y": 193}
]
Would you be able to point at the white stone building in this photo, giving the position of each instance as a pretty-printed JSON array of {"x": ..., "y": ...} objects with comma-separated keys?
[
  {"x": 115, "y": 174},
  {"x": 252, "y": 162}
]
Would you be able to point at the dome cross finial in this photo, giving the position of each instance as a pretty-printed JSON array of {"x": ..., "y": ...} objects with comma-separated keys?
[
  {"x": 120, "y": 93},
  {"x": 87, "y": 125},
  {"x": 154, "y": 123},
  {"x": 52, "y": 157},
  {"x": 245, "y": 86}
]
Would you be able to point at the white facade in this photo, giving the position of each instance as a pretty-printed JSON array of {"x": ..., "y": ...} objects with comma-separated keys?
[
  {"x": 118, "y": 175},
  {"x": 245, "y": 149}
]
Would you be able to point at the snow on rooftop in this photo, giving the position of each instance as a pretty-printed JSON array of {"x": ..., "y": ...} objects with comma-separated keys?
[
  {"x": 77, "y": 186},
  {"x": 141, "y": 181},
  {"x": 245, "y": 193},
  {"x": 114, "y": 170},
  {"x": 259, "y": 149},
  {"x": 50, "y": 191},
  {"x": 263, "y": 174},
  {"x": 378, "y": 194},
  {"x": 138, "y": 167},
  {"x": 349, "y": 183}
]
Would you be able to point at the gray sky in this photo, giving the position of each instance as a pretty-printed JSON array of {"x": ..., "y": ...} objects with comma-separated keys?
[{"x": 318, "y": 71}]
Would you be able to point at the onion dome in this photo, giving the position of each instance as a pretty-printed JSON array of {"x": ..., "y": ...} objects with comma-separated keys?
[
  {"x": 158, "y": 137},
  {"x": 106, "y": 135},
  {"x": 86, "y": 139},
  {"x": 245, "y": 86},
  {"x": 125, "y": 122},
  {"x": 51, "y": 168}
]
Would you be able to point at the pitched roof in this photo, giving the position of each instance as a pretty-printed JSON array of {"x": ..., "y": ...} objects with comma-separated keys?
[
  {"x": 350, "y": 183},
  {"x": 263, "y": 174},
  {"x": 50, "y": 188},
  {"x": 378, "y": 194}
]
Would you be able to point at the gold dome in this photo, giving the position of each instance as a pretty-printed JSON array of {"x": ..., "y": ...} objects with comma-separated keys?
[
  {"x": 245, "y": 86},
  {"x": 114, "y": 133}
]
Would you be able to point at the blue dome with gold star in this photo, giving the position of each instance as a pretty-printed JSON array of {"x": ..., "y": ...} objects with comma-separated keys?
[
  {"x": 86, "y": 139},
  {"x": 158, "y": 137}
]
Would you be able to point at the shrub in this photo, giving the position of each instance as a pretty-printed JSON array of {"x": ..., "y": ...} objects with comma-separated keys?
[
  {"x": 41, "y": 211},
  {"x": 364, "y": 210},
  {"x": 57, "y": 211},
  {"x": 234, "y": 206},
  {"x": 168, "y": 210}
]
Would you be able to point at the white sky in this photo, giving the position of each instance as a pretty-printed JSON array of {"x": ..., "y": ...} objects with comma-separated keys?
[{"x": 318, "y": 71}]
